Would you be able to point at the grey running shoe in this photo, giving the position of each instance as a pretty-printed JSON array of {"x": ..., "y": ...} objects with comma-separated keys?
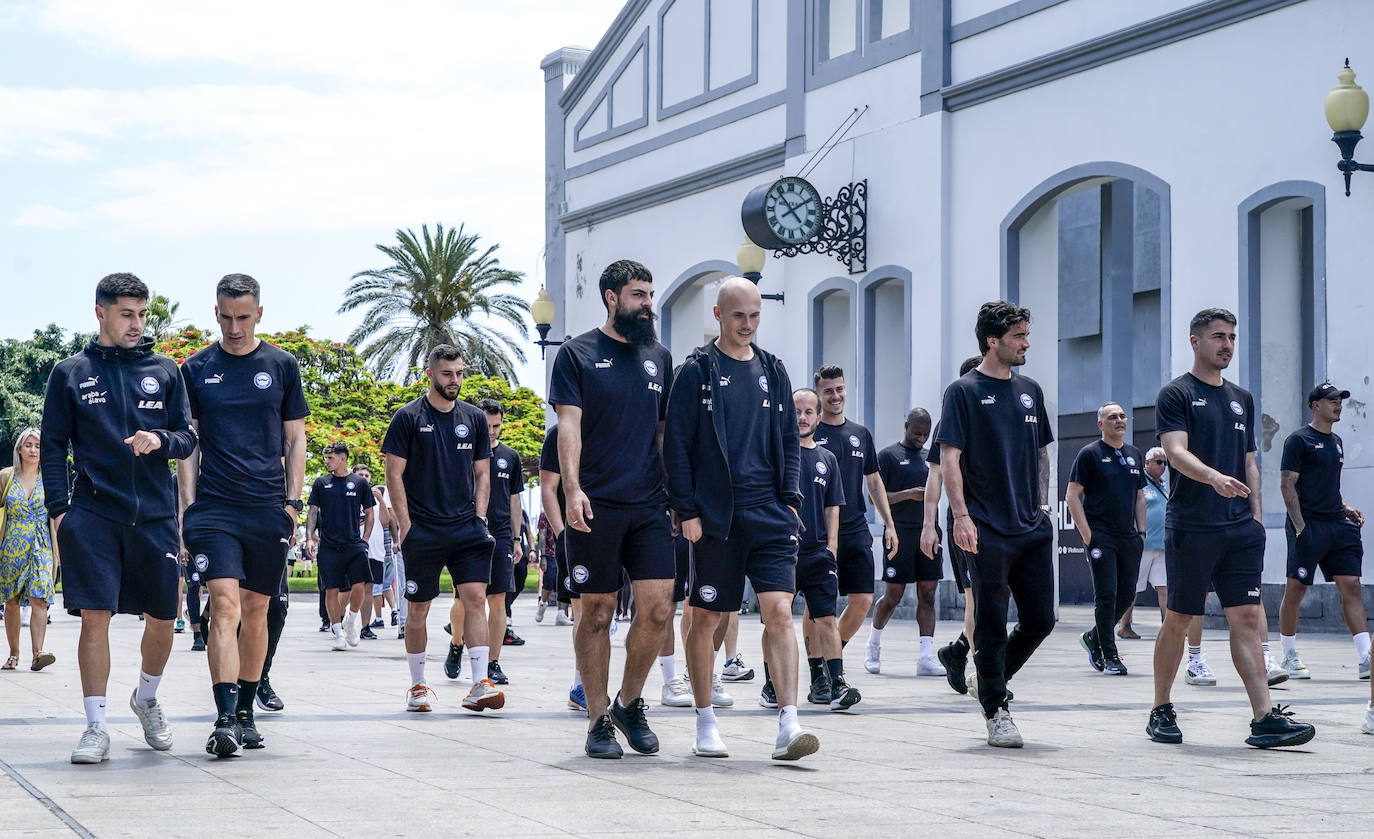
[
  {"x": 225, "y": 740},
  {"x": 93, "y": 747},
  {"x": 155, "y": 730},
  {"x": 795, "y": 744},
  {"x": 1199, "y": 673},
  {"x": 249, "y": 735},
  {"x": 1002, "y": 732},
  {"x": 1292, "y": 663},
  {"x": 735, "y": 670}
]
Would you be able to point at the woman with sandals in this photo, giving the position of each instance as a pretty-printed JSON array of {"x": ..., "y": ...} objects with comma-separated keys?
[{"x": 28, "y": 551}]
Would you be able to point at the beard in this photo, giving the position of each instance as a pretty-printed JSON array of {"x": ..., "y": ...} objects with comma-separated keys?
[{"x": 636, "y": 328}]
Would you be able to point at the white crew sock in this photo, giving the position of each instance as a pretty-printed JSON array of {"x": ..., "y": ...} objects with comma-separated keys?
[
  {"x": 147, "y": 687},
  {"x": 1290, "y": 643},
  {"x": 417, "y": 667},
  {"x": 706, "y": 719},
  {"x": 875, "y": 637},
  {"x": 477, "y": 657},
  {"x": 336, "y": 628},
  {"x": 1194, "y": 653},
  {"x": 1361, "y": 640},
  {"x": 787, "y": 718},
  {"x": 669, "y": 666},
  {"x": 95, "y": 710},
  {"x": 715, "y": 662},
  {"x": 577, "y": 680},
  {"x": 1264, "y": 648},
  {"x": 352, "y": 615},
  {"x": 927, "y": 646}
]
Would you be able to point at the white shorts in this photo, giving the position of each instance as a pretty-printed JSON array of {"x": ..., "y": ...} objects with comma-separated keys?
[{"x": 1151, "y": 571}]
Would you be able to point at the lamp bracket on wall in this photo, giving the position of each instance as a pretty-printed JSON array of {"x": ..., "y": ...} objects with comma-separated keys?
[{"x": 844, "y": 229}]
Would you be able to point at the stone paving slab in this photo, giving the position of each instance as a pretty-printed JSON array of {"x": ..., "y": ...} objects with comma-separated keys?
[{"x": 345, "y": 759}]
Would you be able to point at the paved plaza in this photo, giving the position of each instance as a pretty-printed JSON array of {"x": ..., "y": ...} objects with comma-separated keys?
[{"x": 345, "y": 759}]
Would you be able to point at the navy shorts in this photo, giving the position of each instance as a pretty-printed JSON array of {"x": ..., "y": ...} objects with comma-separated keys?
[
  {"x": 114, "y": 567},
  {"x": 464, "y": 549},
  {"x": 247, "y": 544},
  {"x": 682, "y": 576},
  {"x": 637, "y": 541},
  {"x": 343, "y": 566},
  {"x": 909, "y": 565},
  {"x": 1333, "y": 546},
  {"x": 818, "y": 583},
  {"x": 762, "y": 546},
  {"x": 502, "y": 579},
  {"x": 855, "y": 562},
  {"x": 1229, "y": 560}
]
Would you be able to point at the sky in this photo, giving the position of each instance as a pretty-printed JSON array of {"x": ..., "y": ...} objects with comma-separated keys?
[{"x": 284, "y": 139}]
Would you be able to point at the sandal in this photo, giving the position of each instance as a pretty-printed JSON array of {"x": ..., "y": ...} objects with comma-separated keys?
[
  {"x": 1128, "y": 633},
  {"x": 42, "y": 660},
  {"x": 11, "y": 663}
]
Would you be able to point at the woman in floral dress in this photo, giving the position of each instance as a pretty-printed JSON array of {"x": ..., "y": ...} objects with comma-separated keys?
[{"x": 28, "y": 551}]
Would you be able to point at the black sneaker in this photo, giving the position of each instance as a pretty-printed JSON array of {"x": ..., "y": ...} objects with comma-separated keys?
[
  {"x": 512, "y": 640},
  {"x": 324, "y": 625},
  {"x": 448, "y": 627},
  {"x": 601, "y": 740},
  {"x": 377, "y": 624},
  {"x": 224, "y": 740},
  {"x": 820, "y": 692},
  {"x": 954, "y": 662},
  {"x": 1277, "y": 729},
  {"x": 1163, "y": 725},
  {"x": 249, "y": 735},
  {"x": 393, "y": 617},
  {"x": 634, "y": 725},
  {"x": 368, "y": 634},
  {"x": 494, "y": 672},
  {"x": 453, "y": 664},
  {"x": 1095, "y": 659},
  {"x": 198, "y": 644},
  {"x": 401, "y": 634},
  {"x": 768, "y": 698},
  {"x": 267, "y": 698},
  {"x": 843, "y": 696},
  {"x": 1113, "y": 666}
]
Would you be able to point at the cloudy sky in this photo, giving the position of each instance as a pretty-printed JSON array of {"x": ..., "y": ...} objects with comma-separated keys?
[{"x": 284, "y": 139}]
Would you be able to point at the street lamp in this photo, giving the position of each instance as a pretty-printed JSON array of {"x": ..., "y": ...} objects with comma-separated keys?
[
  {"x": 750, "y": 259},
  {"x": 1347, "y": 107},
  {"x": 542, "y": 310}
]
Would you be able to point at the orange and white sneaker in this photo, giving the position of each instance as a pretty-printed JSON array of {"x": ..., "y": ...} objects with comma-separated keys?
[
  {"x": 420, "y": 698},
  {"x": 484, "y": 695}
]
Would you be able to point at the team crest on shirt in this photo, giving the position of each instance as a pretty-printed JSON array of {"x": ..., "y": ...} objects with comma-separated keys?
[
  {"x": 763, "y": 383},
  {"x": 149, "y": 385},
  {"x": 1095, "y": 553},
  {"x": 202, "y": 562},
  {"x": 580, "y": 573},
  {"x": 650, "y": 367},
  {"x": 708, "y": 593},
  {"x": 411, "y": 587},
  {"x": 263, "y": 380},
  {"x": 854, "y": 441},
  {"x": 1027, "y": 401},
  {"x": 1130, "y": 461},
  {"x": 1302, "y": 573},
  {"x": 461, "y": 430},
  {"x": 1236, "y": 408},
  {"x": 821, "y": 468},
  {"x": 502, "y": 463}
]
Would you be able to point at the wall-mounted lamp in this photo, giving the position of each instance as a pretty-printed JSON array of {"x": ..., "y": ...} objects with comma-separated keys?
[
  {"x": 750, "y": 258},
  {"x": 1347, "y": 107}
]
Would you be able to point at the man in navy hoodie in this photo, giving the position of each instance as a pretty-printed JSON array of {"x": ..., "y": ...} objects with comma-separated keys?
[
  {"x": 122, "y": 409},
  {"x": 731, "y": 452}
]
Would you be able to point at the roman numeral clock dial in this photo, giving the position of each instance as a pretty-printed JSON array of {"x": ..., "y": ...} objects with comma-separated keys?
[{"x": 782, "y": 214}]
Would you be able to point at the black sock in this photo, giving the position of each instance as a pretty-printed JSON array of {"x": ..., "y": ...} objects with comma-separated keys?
[
  {"x": 816, "y": 664},
  {"x": 226, "y": 698},
  {"x": 766, "y": 676},
  {"x": 247, "y": 692},
  {"x": 962, "y": 642},
  {"x": 836, "y": 668}
]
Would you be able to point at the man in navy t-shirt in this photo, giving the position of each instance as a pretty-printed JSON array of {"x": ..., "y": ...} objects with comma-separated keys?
[
  {"x": 993, "y": 437},
  {"x": 338, "y": 500},
  {"x": 1214, "y": 535}
]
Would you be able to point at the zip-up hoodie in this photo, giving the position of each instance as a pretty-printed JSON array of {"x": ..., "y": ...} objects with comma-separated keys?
[
  {"x": 699, "y": 484},
  {"x": 98, "y": 398}
]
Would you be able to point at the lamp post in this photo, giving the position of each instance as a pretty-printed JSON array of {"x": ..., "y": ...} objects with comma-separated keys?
[
  {"x": 1347, "y": 107},
  {"x": 750, "y": 259},
  {"x": 542, "y": 310}
]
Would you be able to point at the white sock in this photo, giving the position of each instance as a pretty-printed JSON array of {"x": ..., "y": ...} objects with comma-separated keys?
[
  {"x": 715, "y": 662},
  {"x": 577, "y": 680},
  {"x": 669, "y": 666},
  {"x": 787, "y": 718},
  {"x": 95, "y": 710},
  {"x": 352, "y": 614},
  {"x": 1194, "y": 653},
  {"x": 336, "y": 628},
  {"x": 1264, "y": 648},
  {"x": 477, "y": 657},
  {"x": 706, "y": 718},
  {"x": 417, "y": 667},
  {"x": 1290, "y": 643},
  {"x": 147, "y": 687},
  {"x": 875, "y": 636},
  {"x": 927, "y": 645},
  {"x": 1361, "y": 640}
]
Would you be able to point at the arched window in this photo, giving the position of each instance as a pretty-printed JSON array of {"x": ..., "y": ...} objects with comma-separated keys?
[{"x": 832, "y": 309}]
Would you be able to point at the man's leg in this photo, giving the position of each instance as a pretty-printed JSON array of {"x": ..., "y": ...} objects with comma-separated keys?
[
  {"x": 276, "y": 622},
  {"x": 1169, "y": 652},
  {"x": 1352, "y": 604},
  {"x": 474, "y": 598},
  {"x": 223, "y": 641},
  {"x": 989, "y": 572},
  {"x": 1293, "y": 593},
  {"x": 1100, "y": 640},
  {"x": 1030, "y": 578},
  {"x": 886, "y": 605},
  {"x": 357, "y": 598},
  {"x": 93, "y": 657},
  {"x": 252, "y": 640},
  {"x": 854, "y": 613},
  {"x": 417, "y": 633},
  {"x": 333, "y": 607},
  {"x": 731, "y": 639},
  {"x": 925, "y": 607},
  {"x": 1244, "y": 623},
  {"x": 592, "y": 642},
  {"x": 653, "y": 620},
  {"x": 496, "y": 624}
]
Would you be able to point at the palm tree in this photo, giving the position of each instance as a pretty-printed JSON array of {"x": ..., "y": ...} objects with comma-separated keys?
[
  {"x": 434, "y": 292},
  {"x": 162, "y": 317}
]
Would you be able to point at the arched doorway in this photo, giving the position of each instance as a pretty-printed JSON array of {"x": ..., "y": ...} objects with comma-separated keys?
[{"x": 684, "y": 307}]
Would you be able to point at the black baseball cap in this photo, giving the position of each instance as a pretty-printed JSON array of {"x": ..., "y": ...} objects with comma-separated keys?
[{"x": 1326, "y": 390}]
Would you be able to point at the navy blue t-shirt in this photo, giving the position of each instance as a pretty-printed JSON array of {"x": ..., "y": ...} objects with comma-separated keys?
[
  {"x": 999, "y": 425},
  {"x": 548, "y": 462},
  {"x": 820, "y": 488},
  {"x": 439, "y": 449},
  {"x": 1110, "y": 477},
  {"x": 748, "y": 417},
  {"x": 239, "y": 403},
  {"x": 902, "y": 468},
  {"x": 1317, "y": 457},
  {"x": 506, "y": 480},
  {"x": 1220, "y": 423},
  {"x": 623, "y": 392},
  {"x": 341, "y": 502},
  {"x": 852, "y": 446}
]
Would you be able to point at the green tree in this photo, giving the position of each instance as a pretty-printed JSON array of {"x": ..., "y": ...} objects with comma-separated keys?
[
  {"x": 25, "y": 365},
  {"x": 162, "y": 317},
  {"x": 438, "y": 289}
]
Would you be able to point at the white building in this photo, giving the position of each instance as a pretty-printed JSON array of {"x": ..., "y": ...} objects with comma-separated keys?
[{"x": 1115, "y": 165}]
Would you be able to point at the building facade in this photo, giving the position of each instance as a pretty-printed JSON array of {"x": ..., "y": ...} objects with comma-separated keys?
[{"x": 1114, "y": 166}]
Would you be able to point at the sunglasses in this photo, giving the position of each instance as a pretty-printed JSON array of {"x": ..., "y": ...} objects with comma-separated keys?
[{"x": 1160, "y": 460}]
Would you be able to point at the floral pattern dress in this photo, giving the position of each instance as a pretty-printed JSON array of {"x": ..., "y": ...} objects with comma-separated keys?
[{"x": 26, "y": 550}]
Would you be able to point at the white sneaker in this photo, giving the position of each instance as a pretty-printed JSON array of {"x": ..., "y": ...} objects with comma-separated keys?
[
  {"x": 420, "y": 698},
  {"x": 929, "y": 665},
  {"x": 352, "y": 628},
  {"x": 676, "y": 694},
  {"x": 154, "y": 722},
  {"x": 1002, "y": 732},
  {"x": 562, "y": 620},
  {"x": 93, "y": 747},
  {"x": 615, "y": 627},
  {"x": 1364, "y": 667},
  {"x": 709, "y": 744},
  {"x": 1198, "y": 673},
  {"x": 539, "y": 612},
  {"x": 873, "y": 655},
  {"x": 719, "y": 698},
  {"x": 1276, "y": 674},
  {"x": 795, "y": 744},
  {"x": 1368, "y": 726},
  {"x": 1293, "y": 665},
  {"x": 338, "y": 643}
]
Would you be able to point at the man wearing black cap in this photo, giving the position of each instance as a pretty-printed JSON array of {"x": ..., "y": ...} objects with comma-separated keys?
[{"x": 1323, "y": 531}]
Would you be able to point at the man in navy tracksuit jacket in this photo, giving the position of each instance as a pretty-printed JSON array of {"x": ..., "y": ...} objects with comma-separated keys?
[
  {"x": 122, "y": 409},
  {"x": 730, "y": 449}
]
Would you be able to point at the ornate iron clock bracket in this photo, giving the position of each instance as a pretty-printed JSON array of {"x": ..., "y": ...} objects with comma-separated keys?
[{"x": 844, "y": 229}]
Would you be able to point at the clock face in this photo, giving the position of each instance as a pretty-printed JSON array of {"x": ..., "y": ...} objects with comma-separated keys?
[{"x": 792, "y": 208}]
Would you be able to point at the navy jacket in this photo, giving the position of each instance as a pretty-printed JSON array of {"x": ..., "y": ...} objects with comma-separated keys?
[
  {"x": 699, "y": 484},
  {"x": 95, "y": 400}
]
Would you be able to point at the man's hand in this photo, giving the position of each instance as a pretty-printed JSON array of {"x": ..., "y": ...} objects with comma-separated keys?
[
  {"x": 57, "y": 522},
  {"x": 691, "y": 530},
  {"x": 580, "y": 511},
  {"x": 1354, "y": 515},
  {"x": 401, "y": 532},
  {"x": 890, "y": 542},
  {"x": 183, "y": 555},
  {"x": 1228, "y": 487},
  {"x": 966, "y": 534},
  {"x": 930, "y": 543},
  {"x": 312, "y": 546},
  {"x": 143, "y": 442}
]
